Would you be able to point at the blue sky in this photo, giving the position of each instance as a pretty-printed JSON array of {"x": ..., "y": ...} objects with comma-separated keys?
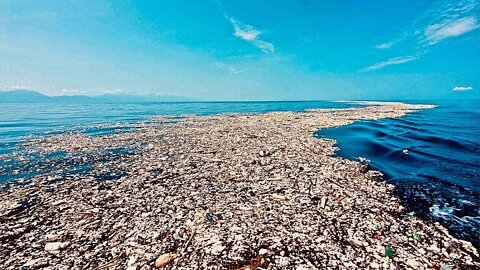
[{"x": 243, "y": 50}]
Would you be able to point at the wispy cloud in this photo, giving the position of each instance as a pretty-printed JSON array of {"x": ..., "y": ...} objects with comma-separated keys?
[
  {"x": 246, "y": 32},
  {"x": 73, "y": 92},
  {"x": 250, "y": 34},
  {"x": 437, "y": 32},
  {"x": 446, "y": 20},
  {"x": 388, "y": 44},
  {"x": 17, "y": 87},
  {"x": 115, "y": 92},
  {"x": 462, "y": 88},
  {"x": 232, "y": 69},
  {"x": 389, "y": 62},
  {"x": 385, "y": 45}
]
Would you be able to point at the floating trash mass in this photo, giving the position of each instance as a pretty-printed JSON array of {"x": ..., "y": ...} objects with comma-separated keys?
[{"x": 276, "y": 196}]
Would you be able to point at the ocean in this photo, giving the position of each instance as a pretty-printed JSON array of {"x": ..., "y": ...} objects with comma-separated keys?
[
  {"x": 33, "y": 120},
  {"x": 23, "y": 122},
  {"x": 431, "y": 156}
]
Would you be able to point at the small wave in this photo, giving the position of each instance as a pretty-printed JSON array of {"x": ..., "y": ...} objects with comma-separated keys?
[
  {"x": 449, "y": 214},
  {"x": 378, "y": 147},
  {"x": 452, "y": 144},
  {"x": 381, "y": 134}
]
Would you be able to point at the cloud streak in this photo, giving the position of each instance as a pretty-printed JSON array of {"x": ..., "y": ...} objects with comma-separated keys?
[
  {"x": 446, "y": 20},
  {"x": 438, "y": 32},
  {"x": 73, "y": 92},
  {"x": 249, "y": 34},
  {"x": 462, "y": 88},
  {"x": 18, "y": 87},
  {"x": 385, "y": 45},
  {"x": 232, "y": 68},
  {"x": 388, "y": 44},
  {"x": 246, "y": 32},
  {"x": 115, "y": 92},
  {"x": 389, "y": 62}
]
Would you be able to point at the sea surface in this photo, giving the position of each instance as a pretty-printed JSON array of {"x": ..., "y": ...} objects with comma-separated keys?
[
  {"x": 431, "y": 156},
  {"x": 33, "y": 120}
]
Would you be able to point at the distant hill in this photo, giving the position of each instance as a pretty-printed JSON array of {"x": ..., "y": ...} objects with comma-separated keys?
[
  {"x": 29, "y": 96},
  {"x": 23, "y": 96}
]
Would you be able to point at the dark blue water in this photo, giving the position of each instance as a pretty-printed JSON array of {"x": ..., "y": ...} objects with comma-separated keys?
[{"x": 439, "y": 176}]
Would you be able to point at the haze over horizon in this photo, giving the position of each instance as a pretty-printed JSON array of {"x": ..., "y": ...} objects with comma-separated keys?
[{"x": 231, "y": 50}]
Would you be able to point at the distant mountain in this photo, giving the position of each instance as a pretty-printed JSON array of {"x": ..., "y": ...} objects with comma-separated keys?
[
  {"x": 23, "y": 96},
  {"x": 29, "y": 96}
]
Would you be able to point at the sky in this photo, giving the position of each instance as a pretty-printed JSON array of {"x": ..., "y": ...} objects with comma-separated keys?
[{"x": 243, "y": 50}]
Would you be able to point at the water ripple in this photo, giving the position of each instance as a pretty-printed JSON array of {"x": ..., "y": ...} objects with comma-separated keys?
[{"x": 437, "y": 176}]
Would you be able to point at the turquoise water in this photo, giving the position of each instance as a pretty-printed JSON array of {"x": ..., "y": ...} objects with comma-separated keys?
[
  {"x": 19, "y": 120},
  {"x": 25, "y": 121},
  {"x": 438, "y": 174}
]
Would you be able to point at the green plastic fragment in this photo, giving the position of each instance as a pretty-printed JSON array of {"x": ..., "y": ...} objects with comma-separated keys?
[
  {"x": 417, "y": 237},
  {"x": 389, "y": 252}
]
